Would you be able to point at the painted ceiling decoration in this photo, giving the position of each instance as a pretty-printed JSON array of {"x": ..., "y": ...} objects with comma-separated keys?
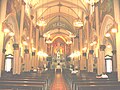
[{"x": 59, "y": 15}]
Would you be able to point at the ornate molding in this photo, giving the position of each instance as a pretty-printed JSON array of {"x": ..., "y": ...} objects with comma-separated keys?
[
  {"x": 4, "y": 50},
  {"x": 102, "y": 47},
  {"x": 33, "y": 53},
  {"x": 91, "y": 51},
  {"x": 84, "y": 54},
  {"x": 114, "y": 52},
  {"x": 26, "y": 51},
  {"x": 16, "y": 46}
]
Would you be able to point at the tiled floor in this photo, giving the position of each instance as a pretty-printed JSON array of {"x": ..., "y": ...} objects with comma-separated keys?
[{"x": 59, "y": 83}]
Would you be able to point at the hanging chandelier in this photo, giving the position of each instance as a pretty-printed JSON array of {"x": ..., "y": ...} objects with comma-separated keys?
[
  {"x": 69, "y": 42},
  {"x": 41, "y": 22},
  {"x": 48, "y": 41},
  {"x": 78, "y": 23},
  {"x": 92, "y": 2}
]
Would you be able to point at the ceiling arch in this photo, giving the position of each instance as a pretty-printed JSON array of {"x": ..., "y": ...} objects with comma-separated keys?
[{"x": 58, "y": 23}]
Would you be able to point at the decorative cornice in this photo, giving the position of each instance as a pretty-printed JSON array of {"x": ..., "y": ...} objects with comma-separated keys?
[
  {"x": 16, "y": 46},
  {"x": 4, "y": 50},
  {"x": 33, "y": 53},
  {"x": 91, "y": 51},
  {"x": 26, "y": 51},
  {"x": 102, "y": 47},
  {"x": 84, "y": 54},
  {"x": 114, "y": 52}
]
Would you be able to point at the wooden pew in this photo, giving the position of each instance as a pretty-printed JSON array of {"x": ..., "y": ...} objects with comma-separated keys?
[
  {"x": 79, "y": 85},
  {"x": 98, "y": 87},
  {"x": 27, "y": 80}
]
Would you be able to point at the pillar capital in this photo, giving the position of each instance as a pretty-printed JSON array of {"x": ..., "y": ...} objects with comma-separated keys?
[
  {"x": 84, "y": 54},
  {"x": 102, "y": 47},
  {"x": 4, "y": 50},
  {"x": 26, "y": 51},
  {"x": 113, "y": 52},
  {"x": 33, "y": 53},
  {"x": 91, "y": 51},
  {"x": 16, "y": 46}
]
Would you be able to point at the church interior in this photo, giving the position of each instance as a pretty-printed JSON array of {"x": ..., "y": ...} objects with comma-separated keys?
[{"x": 59, "y": 44}]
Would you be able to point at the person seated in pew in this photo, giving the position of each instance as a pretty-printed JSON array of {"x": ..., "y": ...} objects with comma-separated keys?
[
  {"x": 104, "y": 75},
  {"x": 74, "y": 71}
]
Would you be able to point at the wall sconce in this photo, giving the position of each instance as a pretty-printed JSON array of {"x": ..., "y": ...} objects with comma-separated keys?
[
  {"x": 69, "y": 42},
  {"x": 108, "y": 46},
  {"x": 107, "y": 34},
  {"x": 6, "y": 30},
  {"x": 11, "y": 34},
  {"x": 84, "y": 49},
  {"x": 114, "y": 30},
  {"x": 25, "y": 43},
  {"x": 48, "y": 41}
]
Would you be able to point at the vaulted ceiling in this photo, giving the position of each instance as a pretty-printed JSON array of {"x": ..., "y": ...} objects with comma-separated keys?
[{"x": 59, "y": 14}]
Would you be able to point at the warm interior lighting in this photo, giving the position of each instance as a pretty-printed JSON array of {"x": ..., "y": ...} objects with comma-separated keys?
[
  {"x": 85, "y": 48},
  {"x": 69, "y": 42},
  {"x": 107, "y": 34},
  {"x": 33, "y": 48},
  {"x": 42, "y": 54},
  {"x": 6, "y": 30},
  {"x": 48, "y": 41},
  {"x": 108, "y": 46},
  {"x": 46, "y": 35},
  {"x": 11, "y": 34},
  {"x": 91, "y": 2},
  {"x": 72, "y": 35},
  {"x": 41, "y": 22},
  {"x": 25, "y": 43},
  {"x": 114, "y": 30},
  {"x": 94, "y": 42},
  {"x": 78, "y": 23},
  {"x": 75, "y": 54},
  {"x": 91, "y": 44}
]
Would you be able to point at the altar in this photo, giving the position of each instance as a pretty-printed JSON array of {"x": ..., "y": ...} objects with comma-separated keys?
[{"x": 58, "y": 68}]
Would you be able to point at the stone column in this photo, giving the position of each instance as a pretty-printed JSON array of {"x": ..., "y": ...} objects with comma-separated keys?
[
  {"x": 90, "y": 61},
  {"x": 33, "y": 60},
  {"x": 114, "y": 61},
  {"x": 81, "y": 60},
  {"x": 117, "y": 20},
  {"x": 27, "y": 61},
  {"x": 3, "y": 4},
  {"x": 83, "y": 63},
  {"x": 16, "y": 60},
  {"x": 37, "y": 43},
  {"x": 101, "y": 60},
  {"x": 3, "y": 59}
]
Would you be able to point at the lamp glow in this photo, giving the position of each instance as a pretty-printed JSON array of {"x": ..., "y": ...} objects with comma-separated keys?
[
  {"x": 114, "y": 30},
  {"x": 41, "y": 22},
  {"x": 6, "y": 30},
  {"x": 78, "y": 23},
  {"x": 107, "y": 34},
  {"x": 11, "y": 34}
]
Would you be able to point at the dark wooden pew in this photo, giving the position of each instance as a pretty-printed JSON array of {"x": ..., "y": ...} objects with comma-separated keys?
[
  {"x": 27, "y": 81},
  {"x": 39, "y": 85},
  {"x": 79, "y": 85},
  {"x": 98, "y": 87},
  {"x": 90, "y": 82}
]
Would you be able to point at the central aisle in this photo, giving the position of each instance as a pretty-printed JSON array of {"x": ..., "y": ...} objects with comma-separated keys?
[{"x": 59, "y": 83}]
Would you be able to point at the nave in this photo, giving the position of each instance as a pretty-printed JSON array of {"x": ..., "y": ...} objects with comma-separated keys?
[
  {"x": 79, "y": 37},
  {"x": 51, "y": 80},
  {"x": 59, "y": 83}
]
